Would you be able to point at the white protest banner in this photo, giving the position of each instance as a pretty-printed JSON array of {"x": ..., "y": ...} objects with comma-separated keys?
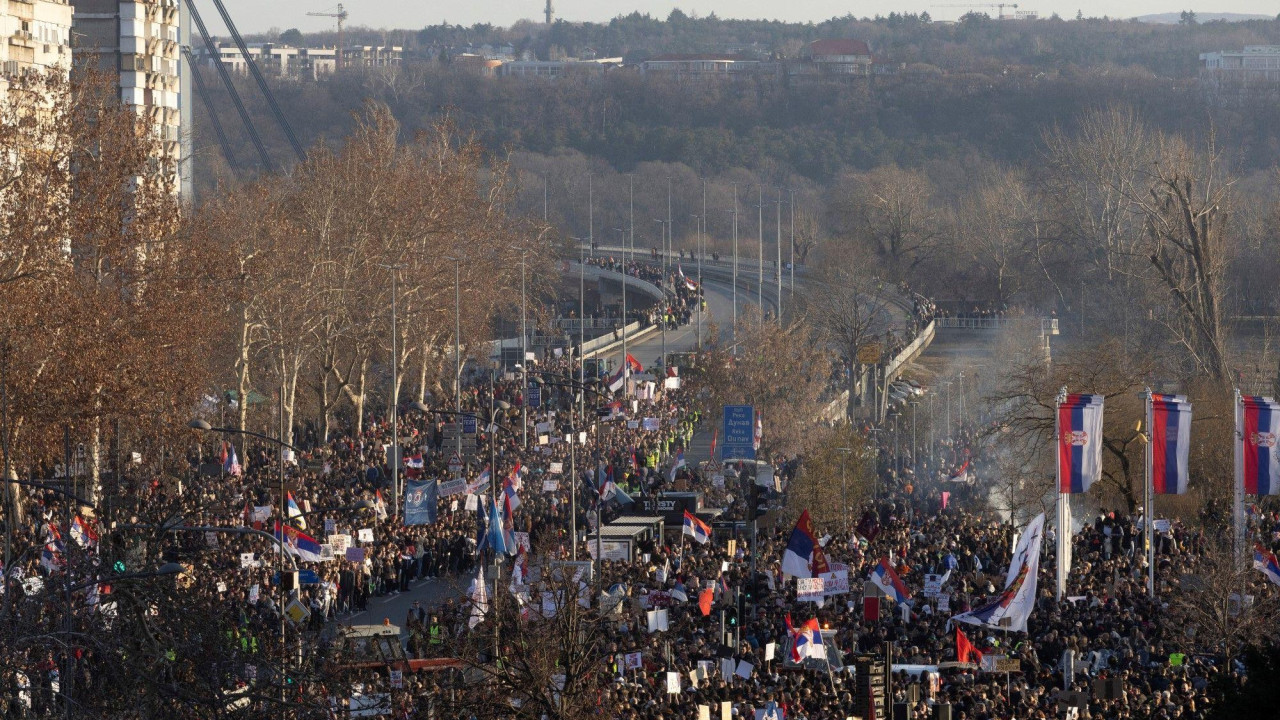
[
  {"x": 542, "y": 428},
  {"x": 556, "y": 468},
  {"x": 705, "y": 668},
  {"x": 727, "y": 666},
  {"x": 809, "y": 589},
  {"x": 452, "y": 487},
  {"x": 260, "y": 513},
  {"x": 397, "y": 679},
  {"x": 472, "y": 503},
  {"x": 355, "y": 554},
  {"x": 944, "y": 602},
  {"x": 693, "y": 679},
  {"x": 222, "y": 586},
  {"x": 582, "y": 438},
  {"x": 932, "y": 585},
  {"x": 544, "y": 439},
  {"x": 633, "y": 424},
  {"x": 651, "y": 423},
  {"x": 247, "y": 561},
  {"x": 254, "y": 592},
  {"x": 634, "y": 661},
  {"x": 550, "y": 485},
  {"x": 326, "y": 552},
  {"x": 769, "y": 651},
  {"x": 339, "y": 542},
  {"x": 657, "y": 620},
  {"x": 726, "y": 711},
  {"x": 673, "y": 683},
  {"x": 835, "y": 582},
  {"x": 704, "y": 712},
  {"x": 365, "y": 535},
  {"x": 330, "y": 526},
  {"x": 744, "y": 669}
]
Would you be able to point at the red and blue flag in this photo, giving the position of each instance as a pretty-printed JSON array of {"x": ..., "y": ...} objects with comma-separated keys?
[
  {"x": 1079, "y": 442},
  {"x": 1259, "y": 425},
  {"x": 1170, "y": 443}
]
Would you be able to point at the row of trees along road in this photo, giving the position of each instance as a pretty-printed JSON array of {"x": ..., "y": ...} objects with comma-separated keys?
[{"x": 123, "y": 307}]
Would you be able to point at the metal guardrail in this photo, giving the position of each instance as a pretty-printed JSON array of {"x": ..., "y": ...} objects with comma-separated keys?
[
  {"x": 968, "y": 323},
  {"x": 574, "y": 324}
]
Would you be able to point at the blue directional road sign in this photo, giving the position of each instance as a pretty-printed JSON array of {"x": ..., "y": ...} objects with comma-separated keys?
[
  {"x": 739, "y": 432},
  {"x": 535, "y": 395}
]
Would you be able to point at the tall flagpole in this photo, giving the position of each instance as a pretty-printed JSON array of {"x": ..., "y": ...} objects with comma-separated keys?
[
  {"x": 1147, "y": 501},
  {"x": 1237, "y": 506},
  {"x": 1064, "y": 526}
]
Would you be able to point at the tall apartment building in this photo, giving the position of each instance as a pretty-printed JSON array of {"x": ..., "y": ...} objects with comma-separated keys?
[
  {"x": 34, "y": 34},
  {"x": 140, "y": 42}
]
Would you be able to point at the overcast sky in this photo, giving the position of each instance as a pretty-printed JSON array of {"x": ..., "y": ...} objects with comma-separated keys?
[{"x": 260, "y": 15}]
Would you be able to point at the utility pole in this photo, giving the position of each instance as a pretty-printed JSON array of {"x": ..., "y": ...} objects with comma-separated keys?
[
  {"x": 591, "y": 214},
  {"x": 395, "y": 402},
  {"x": 457, "y": 348},
  {"x": 702, "y": 233},
  {"x": 662, "y": 228}
]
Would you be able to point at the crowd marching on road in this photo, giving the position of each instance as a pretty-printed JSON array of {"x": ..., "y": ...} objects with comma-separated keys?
[{"x": 921, "y": 523}]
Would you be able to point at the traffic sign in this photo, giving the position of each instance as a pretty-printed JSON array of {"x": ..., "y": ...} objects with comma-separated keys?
[
  {"x": 869, "y": 354},
  {"x": 455, "y": 463},
  {"x": 535, "y": 395},
  {"x": 739, "y": 432},
  {"x": 296, "y": 611},
  {"x": 469, "y": 425}
]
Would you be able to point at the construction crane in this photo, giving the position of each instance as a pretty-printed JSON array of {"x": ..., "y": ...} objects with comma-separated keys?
[
  {"x": 1000, "y": 6},
  {"x": 341, "y": 16}
]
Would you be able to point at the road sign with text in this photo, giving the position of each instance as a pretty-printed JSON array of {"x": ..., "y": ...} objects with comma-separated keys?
[{"x": 739, "y": 432}]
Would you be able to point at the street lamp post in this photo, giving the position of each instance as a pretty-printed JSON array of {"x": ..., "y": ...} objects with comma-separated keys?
[
  {"x": 203, "y": 426},
  {"x": 622, "y": 238},
  {"x": 664, "y": 227},
  {"x": 844, "y": 496},
  {"x": 457, "y": 343}
]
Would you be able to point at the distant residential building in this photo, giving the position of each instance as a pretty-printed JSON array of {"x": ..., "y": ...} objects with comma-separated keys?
[
  {"x": 556, "y": 68},
  {"x": 138, "y": 42},
  {"x": 371, "y": 56},
  {"x": 1256, "y": 65},
  {"x": 281, "y": 60},
  {"x": 701, "y": 66},
  {"x": 36, "y": 34},
  {"x": 836, "y": 56}
]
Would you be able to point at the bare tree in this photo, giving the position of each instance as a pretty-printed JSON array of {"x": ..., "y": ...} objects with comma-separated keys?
[
  {"x": 852, "y": 309},
  {"x": 890, "y": 212}
]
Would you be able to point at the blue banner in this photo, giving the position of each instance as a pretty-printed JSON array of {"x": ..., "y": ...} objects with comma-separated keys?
[
  {"x": 739, "y": 432},
  {"x": 469, "y": 425},
  {"x": 535, "y": 395},
  {"x": 420, "y": 502}
]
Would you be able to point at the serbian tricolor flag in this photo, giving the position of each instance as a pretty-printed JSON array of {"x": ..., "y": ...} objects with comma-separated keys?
[
  {"x": 1170, "y": 421},
  {"x": 618, "y": 379},
  {"x": 304, "y": 546},
  {"x": 714, "y": 437},
  {"x": 1265, "y": 560},
  {"x": 294, "y": 511},
  {"x": 696, "y": 529},
  {"x": 887, "y": 580},
  {"x": 634, "y": 364},
  {"x": 1257, "y": 429},
  {"x": 795, "y": 559},
  {"x": 806, "y": 641},
  {"x": 1079, "y": 442},
  {"x": 83, "y": 533}
]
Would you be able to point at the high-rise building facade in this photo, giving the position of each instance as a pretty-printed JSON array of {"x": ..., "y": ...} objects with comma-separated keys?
[
  {"x": 34, "y": 34},
  {"x": 140, "y": 42}
]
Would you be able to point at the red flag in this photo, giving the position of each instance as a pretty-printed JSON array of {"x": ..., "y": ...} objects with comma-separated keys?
[
  {"x": 714, "y": 437},
  {"x": 705, "y": 598},
  {"x": 946, "y": 500},
  {"x": 965, "y": 649}
]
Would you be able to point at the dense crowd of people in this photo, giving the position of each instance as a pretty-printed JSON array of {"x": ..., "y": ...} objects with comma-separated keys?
[{"x": 923, "y": 520}]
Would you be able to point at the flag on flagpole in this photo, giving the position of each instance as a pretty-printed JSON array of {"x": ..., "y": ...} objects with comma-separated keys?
[
  {"x": 714, "y": 437},
  {"x": 634, "y": 364},
  {"x": 497, "y": 536},
  {"x": 759, "y": 431},
  {"x": 806, "y": 641},
  {"x": 379, "y": 505},
  {"x": 1010, "y": 609},
  {"x": 294, "y": 512},
  {"x": 479, "y": 596},
  {"x": 886, "y": 579},
  {"x": 1080, "y": 442},
  {"x": 230, "y": 463},
  {"x": 1259, "y": 427},
  {"x": 83, "y": 533},
  {"x": 695, "y": 528},
  {"x": 1170, "y": 422},
  {"x": 297, "y": 543},
  {"x": 800, "y": 548},
  {"x": 679, "y": 463},
  {"x": 1265, "y": 560}
]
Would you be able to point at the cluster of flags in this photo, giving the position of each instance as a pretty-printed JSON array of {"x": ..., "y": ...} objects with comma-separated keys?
[{"x": 230, "y": 463}]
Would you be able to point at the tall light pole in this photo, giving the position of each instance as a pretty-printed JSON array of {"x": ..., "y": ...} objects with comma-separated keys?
[
  {"x": 759, "y": 249},
  {"x": 915, "y": 456},
  {"x": 457, "y": 345},
  {"x": 591, "y": 213},
  {"x": 662, "y": 227},
  {"x": 735, "y": 266},
  {"x": 582, "y": 311},
  {"x": 395, "y": 402},
  {"x": 524, "y": 357},
  {"x": 697, "y": 222},
  {"x": 793, "y": 246},
  {"x": 777, "y": 264},
  {"x": 844, "y": 493}
]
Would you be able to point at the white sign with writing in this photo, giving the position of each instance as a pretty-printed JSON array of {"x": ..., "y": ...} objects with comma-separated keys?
[{"x": 809, "y": 589}]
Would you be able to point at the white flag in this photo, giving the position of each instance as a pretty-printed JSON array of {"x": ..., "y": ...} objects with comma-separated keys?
[{"x": 1010, "y": 609}]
